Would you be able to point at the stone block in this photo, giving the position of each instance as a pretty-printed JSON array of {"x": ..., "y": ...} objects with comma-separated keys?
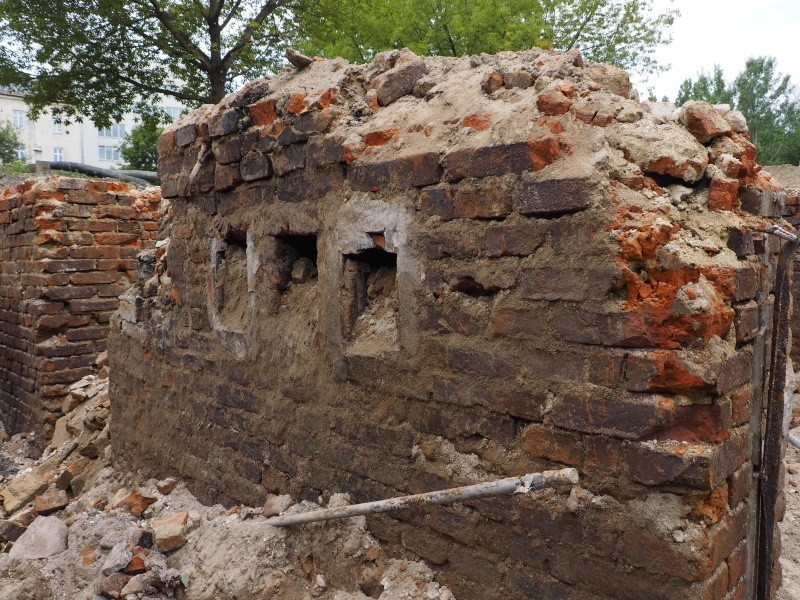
[{"x": 23, "y": 489}]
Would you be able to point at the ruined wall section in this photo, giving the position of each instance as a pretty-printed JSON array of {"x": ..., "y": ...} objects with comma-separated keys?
[
  {"x": 418, "y": 273},
  {"x": 67, "y": 251}
]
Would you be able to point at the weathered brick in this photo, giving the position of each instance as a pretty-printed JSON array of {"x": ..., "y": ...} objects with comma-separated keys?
[
  {"x": 255, "y": 166},
  {"x": 185, "y": 134},
  {"x": 227, "y": 150},
  {"x": 474, "y": 360},
  {"x": 532, "y": 155},
  {"x": 542, "y": 441},
  {"x": 555, "y": 197},
  {"x": 398, "y": 81},
  {"x": 227, "y": 177},
  {"x": 67, "y": 266},
  {"x": 409, "y": 171},
  {"x": 515, "y": 239}
]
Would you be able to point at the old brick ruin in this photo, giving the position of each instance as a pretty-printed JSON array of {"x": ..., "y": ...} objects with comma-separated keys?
[
  {"x": 68, "y": 249},
  {"x": 416, "y": 274},
  {"x": 419, "y": 273}
]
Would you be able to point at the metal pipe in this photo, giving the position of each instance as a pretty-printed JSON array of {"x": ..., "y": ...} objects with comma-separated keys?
[
  {"x": 512, "y": 485},
  {"x": 97, "y": 171},
  {"x": 794, "y": 440}
]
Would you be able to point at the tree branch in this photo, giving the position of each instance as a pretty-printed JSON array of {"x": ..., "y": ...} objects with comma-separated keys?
[
  {"x": 582, "y": 26},
  {"x": 247, "y": 34},
  {"x": 231, "y": 14},
  {"x": 166, "y": 19},
  {"x": 159, "y": 90}
]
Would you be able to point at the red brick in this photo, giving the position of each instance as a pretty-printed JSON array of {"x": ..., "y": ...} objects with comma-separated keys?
[
  {"x": 553, "y": 102},
  {"x": 476, "y": 122},
  {"x": 379, "y": 138},
  {"x": 656, "y": 551},
  {"x": 263, "y": 113},
  {"x": 723, "y": 194},
  {"x": 541, "y": 441},
  {"x": 227, "y": 177},
  {"x": 92, "y": 277},
  {"x": 60, "y": 266},
  {"x": 104, "y": 252},
  {"x": 492, "y": 82}
]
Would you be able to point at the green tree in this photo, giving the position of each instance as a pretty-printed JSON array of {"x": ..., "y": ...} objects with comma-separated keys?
[
  {"x": 104, "y": 58},
  {"x": 624, "y": 32},
  {"x": 766, "y": 98},
  {"x": 9, "y": 142},
  {"x": 138, "y": 148},
  {"x": 711, "y": 88}
]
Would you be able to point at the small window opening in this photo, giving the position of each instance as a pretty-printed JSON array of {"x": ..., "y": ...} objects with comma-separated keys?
[
  {"x": 370, "y": 301},
  {"x": 297, "y": 259},
  {"x": 231, "y": 288}
]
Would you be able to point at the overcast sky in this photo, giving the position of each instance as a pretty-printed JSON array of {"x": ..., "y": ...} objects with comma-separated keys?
[{"x": 726, "y": 32}]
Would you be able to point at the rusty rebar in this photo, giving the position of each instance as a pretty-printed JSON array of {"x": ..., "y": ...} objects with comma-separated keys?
[{"x": 512, "y": 485}]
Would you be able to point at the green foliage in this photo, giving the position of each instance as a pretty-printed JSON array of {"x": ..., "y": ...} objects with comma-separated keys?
[
  {"x": 768, "y": 100},
  {"x": 9, "y": 141},
  {"x": 16, "y": 166},
  {"x": 711, "y": 88},
  {"x": 138, "y": 149},
  {"x": 624, "y": 32},
  {"x": 105, "y": 58}
]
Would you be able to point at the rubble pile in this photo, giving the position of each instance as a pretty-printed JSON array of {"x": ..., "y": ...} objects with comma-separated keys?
[{"x": 74, "y": 528}]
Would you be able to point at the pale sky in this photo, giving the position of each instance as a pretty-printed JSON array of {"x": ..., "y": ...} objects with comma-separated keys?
[{"x": 726, "y": 32}]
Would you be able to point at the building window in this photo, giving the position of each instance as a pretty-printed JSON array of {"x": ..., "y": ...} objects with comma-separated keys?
[
  {"x": 115, "y": 131},
  {"x": 20, "y": 150},
  {"x": 57, "y": 127},
  {"x": 58, "y": 154},
  {"x": 18, "y": 119},
  {"x": 174, "y": 112},
  {"x": 108, "y": 153}
]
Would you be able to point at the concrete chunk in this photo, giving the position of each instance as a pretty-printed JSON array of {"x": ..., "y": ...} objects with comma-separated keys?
[{"x": 45, "y": 537}]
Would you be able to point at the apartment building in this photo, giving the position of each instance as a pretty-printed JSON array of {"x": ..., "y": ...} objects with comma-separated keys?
[{"x": 48, "y": 139}]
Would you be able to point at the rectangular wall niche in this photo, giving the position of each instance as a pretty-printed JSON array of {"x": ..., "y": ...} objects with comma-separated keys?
[
  {"x": 296, "y": 260},
  {"x": 370, "y": 302},
  {"x": 231, "y": 290}
]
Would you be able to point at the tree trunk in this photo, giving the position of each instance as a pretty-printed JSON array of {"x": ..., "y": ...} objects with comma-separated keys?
[{"x": 217, "y": 79}]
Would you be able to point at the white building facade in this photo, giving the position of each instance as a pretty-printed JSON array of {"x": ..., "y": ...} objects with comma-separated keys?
[{"x": 47, "y": 139}]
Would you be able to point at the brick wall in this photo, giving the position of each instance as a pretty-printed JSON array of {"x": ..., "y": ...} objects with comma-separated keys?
[
  {"x": 67, "y": 251},
  {"x": 415, "y": 274}
]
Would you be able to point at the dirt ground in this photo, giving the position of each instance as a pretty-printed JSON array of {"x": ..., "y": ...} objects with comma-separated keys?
[{"x": 790, "y": 528}]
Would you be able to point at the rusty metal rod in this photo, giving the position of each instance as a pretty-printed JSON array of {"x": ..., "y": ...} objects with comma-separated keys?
[{"x": 512, "y": 485}]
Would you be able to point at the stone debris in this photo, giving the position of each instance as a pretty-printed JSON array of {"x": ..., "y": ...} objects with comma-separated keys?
[
  {"x": 45, "y": 537},
  {"x": 51, "y": 501},
  {"x": 22, "y": 490},
  {"x": 170, "y": 532},
  {"x": 74, "y": 528}
]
